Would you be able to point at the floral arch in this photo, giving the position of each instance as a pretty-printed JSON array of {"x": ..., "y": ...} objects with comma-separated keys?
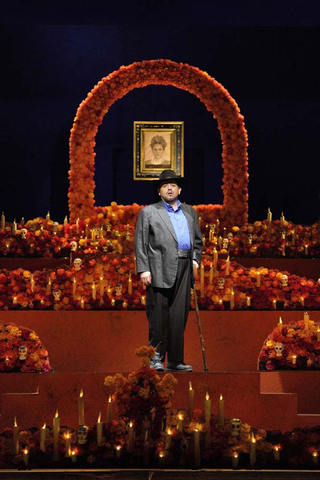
[{"x": 215, "y": 97}]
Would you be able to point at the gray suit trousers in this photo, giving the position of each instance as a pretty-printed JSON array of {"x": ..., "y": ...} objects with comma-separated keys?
[{"x": 167, "y": 312}]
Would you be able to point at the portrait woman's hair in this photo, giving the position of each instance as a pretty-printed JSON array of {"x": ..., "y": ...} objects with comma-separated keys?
[{"x": 158, "y": 139}]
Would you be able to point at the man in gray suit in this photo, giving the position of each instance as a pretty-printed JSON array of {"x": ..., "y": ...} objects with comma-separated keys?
[{"x": 168, "y": 246}]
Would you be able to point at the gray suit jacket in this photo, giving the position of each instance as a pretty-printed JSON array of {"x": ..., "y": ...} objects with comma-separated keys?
[{"x": 156, "y": 243}]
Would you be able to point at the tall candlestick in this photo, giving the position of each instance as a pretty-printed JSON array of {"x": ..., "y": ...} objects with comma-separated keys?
[
  {"x": 269, "y": 215},
  {"x": 130, "y": 285},
  {"x": 180, "y": 423},
  {"x": 15, "y": 440},
  {"x": 14, "y": 227},
  {"x": 306, "y": 250},
  {"x": 48, "y": 217},
  {"x": 202, "y": 280},
  {"x": 168, "y": 439},
  {"x": 221, "y": 411},
  {"x": 56, "y": 434},
  {"x": 282, "y": 219},
  {"x": 215, "y": 258},
  {"x": 43, "y": 435},
  {"x": 306, "y": 319},
  {"x": 196, "y": 443},
  {"x": 68, "y": 444},
  {"x": 65, "y": 221},
  {"x": 190, "y": 400},
  {"x": 82, "y": 302},
  {"x": 81, "y": 408},
  {"x": 228, "y": 266},
  {"x": 232, "y": 299},
  {"x": 130, "y": 438},
  {"x": 253, "y": 449},
  {"x": 94, "y": 291},
  {"x": 110, "y": 410},
  {"x": 77, "y": 225},
  {"x": 74, "y": 288},
  {"x": 318, "y": 333},
  {"x": 49, "y": 286},
  {"x": 274, "y": 303},
  {"x": 99, "y": 431},
  {"x": 258, "y": 279},
  {"x": 280, "y": 324},
  {"x": 3, "y": 221},
  {"x": 207, "y": 409}
]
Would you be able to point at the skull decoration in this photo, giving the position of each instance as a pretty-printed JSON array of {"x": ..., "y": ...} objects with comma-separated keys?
[
  {"x": 128, "y": 235},
  {"x": 96, "y": 231},
  {"x": 55, "y": 227},
  {"x": 249, "y": 238},
  {"x": 82, "y": 433},
  {"x": 108, "y": 227},
  {"x": 23, "y": 352},
  {"x": 23, "y": 233},
  {"x": 221, "y": 282},
  {"x": 77, "y": 264},
  {"x": 225, "y": 243},
  {"x": 56, "y": 295},
  {"x": 73, "y": 246},
  {"x": 236, "y": 427},
  {"x": 105, "y": 248},
  {"x": 33, "y": 227},
  {"x": 230, "y": 236},
  {"x": 118, "y": 289},
  {"x": 284, "y": 280},
  {"x": 279, "y": 349}
]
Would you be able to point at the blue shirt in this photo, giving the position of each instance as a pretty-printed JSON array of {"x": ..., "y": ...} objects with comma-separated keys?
[{"x": 180, "y": 225}]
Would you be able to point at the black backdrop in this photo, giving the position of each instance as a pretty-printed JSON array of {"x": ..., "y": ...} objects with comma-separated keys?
[{"x": 271, "y": 72}]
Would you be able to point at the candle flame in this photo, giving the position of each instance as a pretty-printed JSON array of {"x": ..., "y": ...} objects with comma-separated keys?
[
  {"x": 180, "y": 416},
  {"x": 15, "y": 422},
  {"x": 44, "y": 426},
  {"x": 221, "y": 397},
  {"x": 57, "y": 414},
  {"x": 277, "y": 448},
  {"x": 81, "y": 393},
  {"x": 315, "y": 454},
  {"x": 162, "y": 454},
  {"x": 235, "y": 455},
  {"x": 207, "y": 396},
  {"x": 190, "y": 386},
  {"x": 99, "y": 418},
  {"x": 169, "y": 432},
  {"x": 101, "y": 278},
  {"x": 74, "y": 280},
  {"x": 280, "y": 320},
  {"x": 118, "y": 447},
  {"x": 130, "y": 424},
  {"x": 318, "y": 328},
  {"x": 73, "y": 452},
  {"x": 253, "y": 440},
  {"x": 110, "y": 399},
  {"x": 294, "y": 356},
  {"x": 25, "y": 451}
]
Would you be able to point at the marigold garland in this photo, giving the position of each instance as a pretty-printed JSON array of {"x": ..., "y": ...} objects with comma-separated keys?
[{"x": 159, "y": 72}]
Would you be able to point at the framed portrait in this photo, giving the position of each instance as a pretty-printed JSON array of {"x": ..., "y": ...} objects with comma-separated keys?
[{"x": 157, "y": 146}]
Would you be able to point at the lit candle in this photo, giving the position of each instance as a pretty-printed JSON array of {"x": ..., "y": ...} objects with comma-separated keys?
[
  {"x": 81, "y": 408},
  {"x": 280, "y": 324},
  {"x": 180, "y": 423},
  {"x": 294, "y": 359},
  {"x": 93, "y": 234},
  {"x": 248, "y": 301},
  {"x": 65, "y": 221},
  {"x": 190, "y": 400},
  {"x": 306, "y": 249},
  {"x": 3, "y": 221},
  {"x": 68, "y": 444},
  {"x": 143, "y": 300},
  {"x": 43, "y": 435},
  {"x": 162, "y": 457},
  {"x": 94, "y": 291},
  {"x": 258, "y": 279},
  {"x": 110, "y": 410},
  {"x": 196, "y": 443},
  {"x": 228, "y": 266},
  {"x": 306, "y": 319},
  {"x": 318, "y": 333},
  {"x": 113, "y": 302},
  {"x": 7, "y": 360},
  {"x": 232, "y": 299},
  {"x": 215, "y": 257},
  {"x": 118, "y": 451},
  {"x": 74, "y": 288},
  {"x": 130, "y": 285},
  {"x": 168, "y": 439},
  {"x": 269, "y": 215},
  {"x": 302, "y": 301},
  {"x": 253, "y": 450},
  {"x": 77, "y": 225},
  {"x": 204, "y": 240},
  {"x": 73, "y": 456},
  {"x": 14, "y": 300},
  {"x": 14, "y": 227},
  {"x": 99, "y": 431},
  {"x": 48, "y": 217},
  {"x": 283, "y": 250},
  {"x": 202, "y": 280},
  {"x": 207, "y": 409},
  {"x": 315, "y": 458},
  {"x": 32, "y": 283},
  {"x": 15, "y": 440},
  {"x": 276, "y": 452},
  {"x": 274, "y": 303},
  {"x": 130, "y": 438},
  {"x": 135, "y": 264},
  {"x": 56, "y": 433},
  {"x": 49, "y": 286},
  {"x": 25, "y": 456},
  {"x": 235, "y": 460},
  {"x": 219, "y": 242},
  {"x": 211, "y": 273},
  {"x": 82, "y": 302},
  {"x": 221, "y": 411}
]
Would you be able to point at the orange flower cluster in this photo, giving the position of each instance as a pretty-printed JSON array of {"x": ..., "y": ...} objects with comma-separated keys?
[{"x": 160, "y": 72}]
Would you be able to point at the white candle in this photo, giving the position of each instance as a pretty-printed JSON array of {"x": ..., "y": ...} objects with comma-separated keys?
[
  {"x": 118, "y": 451},
  {"x": 215, "y": 257},
  {"x": 280, "y": 324},
  {"x": 49, "y": 286},
  {"x": 110, "y": 410},
  {"x": 274, "y": 303},
  {"x": 228, "y": 266},
  {"x": 207, "y": 408},
  {"x": 235, "y": 460},
  {"x": 306, "y": 249},
  {"x": 43, "y": 435},
  {"x": 221, "y": 411},
  {"x": 15, "y": 440},
  {"x": 65, "y": 221},
  {"x": 294, "y": 359},
  {"x": 25, "y": 456},
  {"x": 258, "y": 279},
  {"x": 94, "y": 291},
  {"x": 180, "y": 423},
  {"x": 101, "y": 288},
  {"x": 130, "y": 285},
  {"x": 196, "y": 442},
  {"x": 232, "y": 299},
  {"x": 77, "y": 225},
  {"x": 81, "y": 408},
  {"x": 306, "y": 319},
  {"x": 14, "y": 227},
  {"x": 253, "y": 450},
  {"x": 73, "y": 456},
  {"x": 68, "y": 444},
  {"x": 82, "y": 302},
  {"x": 315, "y": 458},
  {"x": 74, "y": 288},
  {"x": 269, "y": 215},
  {"x": 276, "y": 453},
  {"x": 302, "y": 301},
  {"x": 99, "y": 431},
  {"x": 168, "y": 439},
  {"x": 211, "y": 273},
  {"x": 248, "y": 301},
  {"x": 56, "y": 434},
  {"x": 190, "y": 400},
  {"x": 130, "y": 438},
  {"x": 48, "y": 216},
  {"x": 14, "y": 300}
]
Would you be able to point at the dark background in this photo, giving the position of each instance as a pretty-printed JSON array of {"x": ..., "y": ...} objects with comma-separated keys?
[{"x": 271, "y": 71}]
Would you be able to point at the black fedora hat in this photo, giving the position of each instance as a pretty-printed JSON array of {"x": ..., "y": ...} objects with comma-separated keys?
[{"x": 169, "y": 176}]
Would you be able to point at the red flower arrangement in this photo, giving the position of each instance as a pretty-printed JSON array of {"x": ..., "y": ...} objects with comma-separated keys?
[
  {"x": 294, "y": 346},
  {"x": 21, "y": 350},
  {"x": 159, "y": 72}
]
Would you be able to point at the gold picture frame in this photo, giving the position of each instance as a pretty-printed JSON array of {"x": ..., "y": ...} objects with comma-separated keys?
[{"x": 157, "y": 146}]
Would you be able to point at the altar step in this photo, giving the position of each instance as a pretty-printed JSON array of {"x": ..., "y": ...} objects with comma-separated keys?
[
  {"x": 241, "y": 392},
  {"x": 105, "y": 341}
]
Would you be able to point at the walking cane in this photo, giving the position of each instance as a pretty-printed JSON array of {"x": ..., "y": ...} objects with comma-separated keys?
[{"x": 200, "y": 329}]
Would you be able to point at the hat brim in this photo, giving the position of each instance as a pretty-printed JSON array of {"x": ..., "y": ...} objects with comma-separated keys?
[{"x": 179, "y": 181}]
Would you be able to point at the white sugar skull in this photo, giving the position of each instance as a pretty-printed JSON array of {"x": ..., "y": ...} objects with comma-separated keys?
[
  {"x": 225, "y": 243},
  {"x": 118, "y": 289},
  {"x": 73, "y": 246},
  {"x": 77, "y": 264},
  {"x": 33, "y": 227},
  {"x": 279, "y": 349},
  {"x": 55, "y": 227},
  {"x": 230, "y": 236},
  {"x": 221, "y": 282},
  {"x": 235, "y": 427},
  {"x": 284, "y": 280},
  {"x": 82, "y": 433},
  {"x": 23, "y": 233},
  {"x": 23, "y": 352},
  {"x": 56, "y": 295},
  {"x": 96, "y": 231},
  {"x": 249, "y": 238}
]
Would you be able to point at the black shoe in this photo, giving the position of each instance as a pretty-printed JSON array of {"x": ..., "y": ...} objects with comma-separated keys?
[
  {"x": 180, "y": 367},
  {"x": 155, "y": 363}
]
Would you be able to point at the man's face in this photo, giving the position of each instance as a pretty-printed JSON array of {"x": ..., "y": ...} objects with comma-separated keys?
[{"x": 169, "y": 192}]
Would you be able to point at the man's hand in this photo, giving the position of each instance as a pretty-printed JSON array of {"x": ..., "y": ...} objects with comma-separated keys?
[
  {"x": 145, "y": 278},
  {"x": 195, "y": 269}
]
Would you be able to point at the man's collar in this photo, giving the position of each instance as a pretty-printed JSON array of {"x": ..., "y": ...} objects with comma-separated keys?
[{"x": 169, "y": 208}]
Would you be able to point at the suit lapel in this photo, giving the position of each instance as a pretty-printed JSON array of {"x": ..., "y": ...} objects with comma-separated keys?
[
  {"x": 190, "y": 222},
  {"x": 166, "y": 219}
]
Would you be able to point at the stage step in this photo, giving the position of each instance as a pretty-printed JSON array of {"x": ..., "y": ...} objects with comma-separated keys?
[{"x": 241, "y": 392}]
